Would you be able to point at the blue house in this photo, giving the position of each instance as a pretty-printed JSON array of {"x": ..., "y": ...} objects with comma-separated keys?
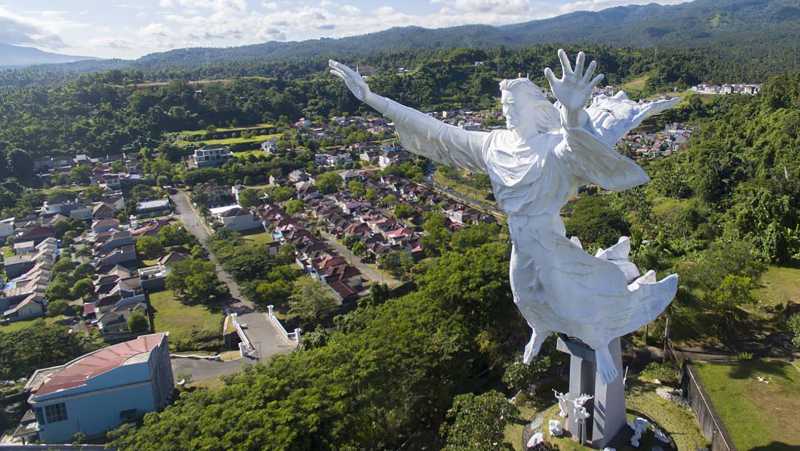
[{"x": 100, "y": 390}]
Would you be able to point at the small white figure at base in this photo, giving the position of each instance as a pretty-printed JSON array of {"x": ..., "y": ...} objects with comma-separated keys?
[
  {"x": 555, "y": 428},
  {"x": 608, "y": 448},
  {"x": 535, "y": 440},
  {"x": 639, "y": 426},
  {"x": 563, "y": 404},
  {"x": 660, "y": 435}
]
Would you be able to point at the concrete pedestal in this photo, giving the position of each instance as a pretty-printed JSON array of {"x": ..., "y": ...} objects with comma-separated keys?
[{"x": 608, "y": 405}]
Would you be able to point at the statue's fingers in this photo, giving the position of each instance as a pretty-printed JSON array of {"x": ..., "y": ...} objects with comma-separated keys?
[
  {"x": 565, "y": 64},
  {"x": 589, "y": 71},
  {"x": 332, "y": 64},
  {"x": 579, "y": 63},
  {"x": 338, "y": 73},
  {"x": 550, "y": 76},
  {"x": 596, "y": 80}
]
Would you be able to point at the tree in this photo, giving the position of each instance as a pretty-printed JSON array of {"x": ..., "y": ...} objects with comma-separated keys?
[
  {"x": 477, "y": 422},
  {"x": 356, "y": 188},
  {"x": 273, "y": 293},
  {"x": 195, "y": 282},
  {"x": 59, "y": 288},
  {"x": 80, "y": 174},
  {"x": 39, "y": 346},
  {"x": 388, "y": 200},
  {"x": 328, "y": 182},
  {"x": 82, "y": 288},
  {"x": 137, "y": 323},
  {"x": 294, "y": 206},
  {"x": 58, "y": 308},
  {"x": 727, "y": 299},
  {"x": 249, "y": 198},
  {"x": 399, "y": 263},
  {"x": 149, "y": 247},
  {"x": 436, "y": 234},
  {"x": 596, "y": 222},
  {"x": 794, "y": 328},
  {"x": 174, "y": 235},
  {"x": 402, "y": 211},
  {"x": 20, "y": 164},
  {"x": 311, "y": 302}
]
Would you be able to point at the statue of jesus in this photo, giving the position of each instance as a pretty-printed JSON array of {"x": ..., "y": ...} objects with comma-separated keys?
[{"x": 535, "y": 166}]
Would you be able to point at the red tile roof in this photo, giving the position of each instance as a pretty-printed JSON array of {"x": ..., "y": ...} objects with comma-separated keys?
[{"x": 76, "y": 373}]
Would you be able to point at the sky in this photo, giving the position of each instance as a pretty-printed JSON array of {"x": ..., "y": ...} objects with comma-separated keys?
[{"x": 132, "y": 28}]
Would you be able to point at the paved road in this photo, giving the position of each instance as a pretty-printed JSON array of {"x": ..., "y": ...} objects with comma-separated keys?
[
  {"x": 202, "y": 370},
  {"x": 367, "y": 271},
  {"x": 266, "y": 338}
]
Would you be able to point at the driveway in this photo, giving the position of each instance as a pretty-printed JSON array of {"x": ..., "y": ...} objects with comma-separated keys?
[
  {"x": 201, "y": 369},
  {"x": 266, "y": 338}
]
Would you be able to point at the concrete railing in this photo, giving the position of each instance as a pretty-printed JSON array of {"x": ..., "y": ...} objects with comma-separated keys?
[
  {"x": 293, "y": 337},
  {"x": 246, "y": 347}
]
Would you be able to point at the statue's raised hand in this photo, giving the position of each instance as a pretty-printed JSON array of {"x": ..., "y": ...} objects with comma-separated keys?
[
  {"x": 351, "y": 78},
  {"x": 574, "y": 88}
]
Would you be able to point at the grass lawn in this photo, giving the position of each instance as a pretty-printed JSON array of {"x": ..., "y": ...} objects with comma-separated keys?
[
  {"x": 259, "y": 238},
  {"x": 635, "y": 86},
  {"x": 757, "y": 414},
  {"x": 641, "y": 399},
  {"x": 180, "y": 320},
  {"x": 21, "y": 325},
  {"x": 255, "y": 140},
  {"x": 247, "y": 153},
  {"x": 779, "y": 285}
]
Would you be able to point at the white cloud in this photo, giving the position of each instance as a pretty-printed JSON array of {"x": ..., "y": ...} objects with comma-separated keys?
[{"x": 167, "y": 24}]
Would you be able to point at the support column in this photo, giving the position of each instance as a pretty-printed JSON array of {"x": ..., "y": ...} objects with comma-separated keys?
[{"x": 607, "y": 408}]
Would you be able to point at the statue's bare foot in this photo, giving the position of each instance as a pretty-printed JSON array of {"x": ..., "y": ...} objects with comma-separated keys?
[
  {"x": 605, "y": 364},
  {"x": 534, "y": 346}
]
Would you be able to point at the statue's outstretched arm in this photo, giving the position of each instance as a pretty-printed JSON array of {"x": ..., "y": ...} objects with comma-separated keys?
[{"x": 420, "y": 133}]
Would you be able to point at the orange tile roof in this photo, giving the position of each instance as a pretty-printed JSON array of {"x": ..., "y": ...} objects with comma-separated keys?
[{"x": 80, "y": 370}]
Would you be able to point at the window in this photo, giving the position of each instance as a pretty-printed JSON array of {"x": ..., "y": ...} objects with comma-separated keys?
[{"x": 56, "y": 412}]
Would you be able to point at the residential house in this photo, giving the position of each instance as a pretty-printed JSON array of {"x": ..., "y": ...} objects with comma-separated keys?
[
  {"x": 104, "y": 225},
  {"x": 118, "y": 256},
  {"x": 33, "y": 306},
  {"x": 113, "y": 239},
  {"x": 100, "y": 390},
  {"x": 153, "y": 277},
  {"x": 102, "y": 211},
  {"x": 210, "y": 157},
  {"x": 152, "y": 208},
  {"x": 24, "y": 248},
  {"x": 269, "y": 147},
  {"x": 236, "y": 218},
  {"x": 46, "y": 251},
  {"x": 172, "y": 258},
  {"x": 36, "y": 233},
  {"x": 6, "y": 228}
]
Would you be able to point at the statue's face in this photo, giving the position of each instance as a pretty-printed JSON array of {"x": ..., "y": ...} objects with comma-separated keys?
[{"x": 511, "y": 110}]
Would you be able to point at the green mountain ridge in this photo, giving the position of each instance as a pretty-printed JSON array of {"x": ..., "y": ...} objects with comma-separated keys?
[{"x": 756, "y": 26}]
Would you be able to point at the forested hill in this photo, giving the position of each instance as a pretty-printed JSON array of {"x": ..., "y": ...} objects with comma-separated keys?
[
  {"x": 751, "y": 23},
  {"x": 12, "y": 55},
  {"x": 742, "y": 29}
]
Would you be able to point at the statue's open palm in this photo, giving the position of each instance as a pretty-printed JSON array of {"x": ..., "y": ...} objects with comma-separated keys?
[
  {"x": 574, "y": 88},
  {"x": 351, "y": 78}
]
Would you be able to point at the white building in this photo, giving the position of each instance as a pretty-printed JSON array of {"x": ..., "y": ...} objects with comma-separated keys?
[
  {"x": 100, "y": 390},
  {"x": 236, "y": 218},
  {"x": 269, "y": 147},
  {"x": 210, "y": 156},
  {"x": 6, "y": 228}
]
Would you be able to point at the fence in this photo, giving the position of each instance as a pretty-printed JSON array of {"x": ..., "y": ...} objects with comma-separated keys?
[
  {"x": 697, "y": 397},
  {"x": 246, "y": 348},
  {"x": 293, "y": 337}
]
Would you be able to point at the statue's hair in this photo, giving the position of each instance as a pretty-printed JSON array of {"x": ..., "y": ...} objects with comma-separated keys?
[
  {"x": 545, "y": 114},
  {"x": 523, "y": 86}
]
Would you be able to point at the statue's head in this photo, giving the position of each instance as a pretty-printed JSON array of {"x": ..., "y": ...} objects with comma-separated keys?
[{"x": 526, "y": 108}]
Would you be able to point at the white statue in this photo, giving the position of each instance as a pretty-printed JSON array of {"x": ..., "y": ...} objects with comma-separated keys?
[
  {"x": 563, "y": 404},
  {"x": 639, "y": 426},
  {"x": 555, "y": 428},
  {"x": 579, "y": 411},
  {"x": 535, "y": 166}
]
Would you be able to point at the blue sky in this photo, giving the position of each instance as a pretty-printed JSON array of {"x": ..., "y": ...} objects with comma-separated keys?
[{"x": 132, "y": 28}]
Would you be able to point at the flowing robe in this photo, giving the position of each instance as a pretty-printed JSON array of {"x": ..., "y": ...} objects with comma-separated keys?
[{"x": 556, "y": 284}]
